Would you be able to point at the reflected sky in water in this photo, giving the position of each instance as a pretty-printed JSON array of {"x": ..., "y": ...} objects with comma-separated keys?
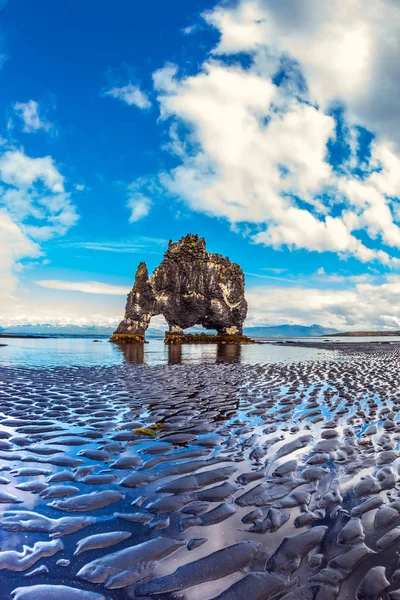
[{"x": 85, "y": 352}]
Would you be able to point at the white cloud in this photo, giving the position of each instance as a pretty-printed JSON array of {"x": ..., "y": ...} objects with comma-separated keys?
[
  {"x": 255, "y": 152},
  {"x": 250, "y": 163},
  {"x": 18, "y": 169},
  {"x": 33, "y": 189},
  {"x": 321, "y": 275},
  {"x": 242, "y": 29},
  {"x": 34, "y": 205},
  {"x": 364, "y": 306},
  {"x": 29, "y": 113},
  {"x": 189, "y": 30},
  {"x": 62, "y": 317},
  {"x": 14, "y": 246},
  {"x": 347, "y": 49},
  {"x": 129, "y": 94},
  {"x": 140, "y": 206},
  {"x": 274, "y": 269},
  {"x": 86, "y": 287},
  {"x": 141, "y": 244},
  {"x": 42, "y": 305}
]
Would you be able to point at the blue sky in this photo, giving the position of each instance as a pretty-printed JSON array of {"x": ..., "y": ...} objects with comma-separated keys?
[{"x": 271, "y": 132}]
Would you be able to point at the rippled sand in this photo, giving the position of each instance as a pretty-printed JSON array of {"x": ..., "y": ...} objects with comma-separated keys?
[{"x": 201, "y": 482}]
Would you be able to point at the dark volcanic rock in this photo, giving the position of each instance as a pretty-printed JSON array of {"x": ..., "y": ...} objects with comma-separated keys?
[{"x": 190, "y": 287}]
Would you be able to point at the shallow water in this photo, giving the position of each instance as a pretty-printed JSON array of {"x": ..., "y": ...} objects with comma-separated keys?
[
  {"x": 247, "y": 451},
  {"x": 54, "y": 352}
]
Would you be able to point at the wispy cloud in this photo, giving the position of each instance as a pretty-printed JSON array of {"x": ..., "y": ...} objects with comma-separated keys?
[
  {"x": 142, "y": 244},
  {"x": 190, "y": 29},
  {"x": 86, "y": 287},
  {"x": 140, "y": 207},
  {"x": 32, "y": 119},
  {"x": 322, "y": 275},
  {"x": 130, "y": 94},
  {"x": 273, "y": 270},
  {"x": 108, "y": 247},
  {"x": 275, "y": 277}
]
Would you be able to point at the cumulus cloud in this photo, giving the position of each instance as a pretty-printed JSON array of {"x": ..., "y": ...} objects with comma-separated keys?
[
  {"x": 14, "y": 246},
  {"x": 346, "y": 49},
  {"x": 32, "y": 190},
  {"x": 364, "y": 306},
  {"x": 130, "y": 94},
  {"x": 18, "y": 169},
  {"x": 254, "y": 149},
  {"x": 32, "y": 120},
  {"x": 251, "y": 164},
  {"x": 86, "y": 287},
  {"x": 34, "y": 206}
]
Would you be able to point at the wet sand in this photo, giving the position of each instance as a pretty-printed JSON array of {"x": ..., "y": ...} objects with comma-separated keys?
[
  {"x": 352, "y": 346},
  {"x": 200, "y": 482}
]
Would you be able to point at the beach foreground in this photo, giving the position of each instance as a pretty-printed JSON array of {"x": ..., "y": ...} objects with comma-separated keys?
[{"x": 199, "y": 482}]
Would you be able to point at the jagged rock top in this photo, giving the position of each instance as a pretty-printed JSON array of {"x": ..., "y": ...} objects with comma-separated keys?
[{"x": 190, "y": 287}]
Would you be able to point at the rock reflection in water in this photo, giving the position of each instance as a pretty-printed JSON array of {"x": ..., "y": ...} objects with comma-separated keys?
[
  {"x": 225, "y": 353},
  {"x": 174, "y": 354},
  {"x": 229, "y": 353},
  {"x": 202, "y": 482},
  {"x": 133, "y": 353}
]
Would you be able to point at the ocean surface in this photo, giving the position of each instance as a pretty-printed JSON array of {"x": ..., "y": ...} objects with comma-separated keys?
[
  {"x": 64, "y": 351},
  {"x": 256, "y": 472}
]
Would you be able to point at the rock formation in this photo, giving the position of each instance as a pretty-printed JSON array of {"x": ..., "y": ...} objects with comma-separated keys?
[{"x": 190, "y": 287}]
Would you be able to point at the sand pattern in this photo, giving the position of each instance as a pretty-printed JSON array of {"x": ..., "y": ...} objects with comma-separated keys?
[{"x": 202, "y": 482}]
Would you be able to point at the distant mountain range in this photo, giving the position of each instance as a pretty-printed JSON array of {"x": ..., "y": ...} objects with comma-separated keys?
[
  {"x": 283, "y": 331},
  {"x": 48, "y": 330},
  {"x": 385, "y": 333},
  {"x": 277, "y": 331}
]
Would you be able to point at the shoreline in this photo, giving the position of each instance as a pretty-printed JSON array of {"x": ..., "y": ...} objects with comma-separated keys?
[
  {"x": 21, "y": 336},
  {"x": 332, "y": 345}
]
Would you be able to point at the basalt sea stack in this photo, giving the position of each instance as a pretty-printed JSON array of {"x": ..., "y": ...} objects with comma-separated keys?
[{"x": 190, "y": 287}]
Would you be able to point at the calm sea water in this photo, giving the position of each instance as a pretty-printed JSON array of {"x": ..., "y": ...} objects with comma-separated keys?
[{"x": 85, "y": 352}]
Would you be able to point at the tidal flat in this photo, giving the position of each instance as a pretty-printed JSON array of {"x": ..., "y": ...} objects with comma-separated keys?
[{"x": 204, "y": 481}]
